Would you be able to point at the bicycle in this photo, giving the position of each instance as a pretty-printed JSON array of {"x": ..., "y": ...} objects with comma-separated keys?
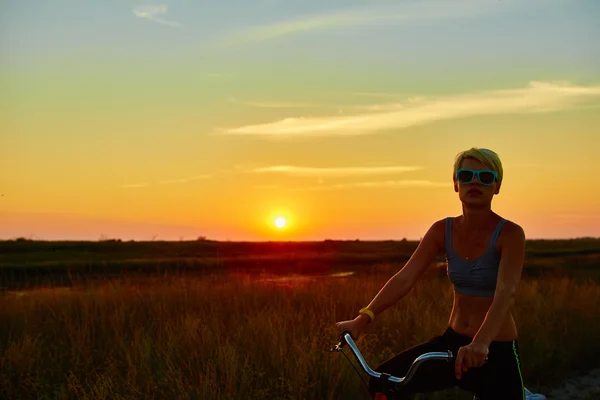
[
  {"x": 346, "y": 338},
  {"x": 448, "y": 356}
]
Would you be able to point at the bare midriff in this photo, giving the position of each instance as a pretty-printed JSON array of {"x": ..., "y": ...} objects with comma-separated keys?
[{"x": 468, "y": 314}]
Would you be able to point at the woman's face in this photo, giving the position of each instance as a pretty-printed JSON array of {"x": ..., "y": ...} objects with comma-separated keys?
[{"x": 475, "y": 193}]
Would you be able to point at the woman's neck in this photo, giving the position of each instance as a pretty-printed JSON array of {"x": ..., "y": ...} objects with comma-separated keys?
[{"x": 477, "y": 218}]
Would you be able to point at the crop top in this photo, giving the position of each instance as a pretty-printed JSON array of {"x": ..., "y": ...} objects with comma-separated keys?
[{"x": 473, "y": 277}]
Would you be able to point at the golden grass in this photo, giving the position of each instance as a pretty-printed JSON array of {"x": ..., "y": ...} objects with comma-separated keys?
[{"x": 231, "y": 337}]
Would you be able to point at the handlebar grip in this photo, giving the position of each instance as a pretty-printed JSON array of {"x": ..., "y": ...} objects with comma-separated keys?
[
  {"x": 453, "y": 358},
  {"x": 342, "y": 342}
]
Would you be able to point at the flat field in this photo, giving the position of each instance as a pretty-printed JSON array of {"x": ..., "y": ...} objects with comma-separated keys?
[{"x": 227, "y": 320}]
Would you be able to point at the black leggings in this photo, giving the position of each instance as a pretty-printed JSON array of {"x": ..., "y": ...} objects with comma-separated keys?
[{"x": 499, "y": 378}]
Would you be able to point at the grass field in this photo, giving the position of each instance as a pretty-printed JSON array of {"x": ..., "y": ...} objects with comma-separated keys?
[
  {"x": 232, "y": 337},
  {"x": 27, "y": 262},
  {"x": 235, "y": 334}
]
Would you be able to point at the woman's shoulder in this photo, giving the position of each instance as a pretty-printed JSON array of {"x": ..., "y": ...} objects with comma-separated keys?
[
  {"x": 437, "y": 233},
  {"x": 510, "y": 226},
  {"x": 439, "y": 226},
  {"x": 510, "y": 233}
]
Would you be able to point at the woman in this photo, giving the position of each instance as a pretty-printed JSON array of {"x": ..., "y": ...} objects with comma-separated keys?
[{"x": 484, "y": 255}]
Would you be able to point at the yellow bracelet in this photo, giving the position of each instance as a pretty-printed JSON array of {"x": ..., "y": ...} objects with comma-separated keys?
[{"x": 365, "y": 310}]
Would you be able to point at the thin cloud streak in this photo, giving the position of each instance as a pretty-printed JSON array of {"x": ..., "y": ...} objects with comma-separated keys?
[
  {"x": 184, "y": 180},
  {"x": 153, "y": 13},
  {"x": 267, "y": 104},
  {"x": 415, "y": 11},
  {"x": 577, "y": 216},
  {"x": 166, "y": 182},
  {"x": 369, "y": 94},
  {"x": 537, "y": 97},
  {"x": 336, "y": 172},
  {"x": 377, "y": 184}
]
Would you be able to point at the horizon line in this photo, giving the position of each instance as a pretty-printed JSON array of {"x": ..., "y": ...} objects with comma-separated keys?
[{"x": 121, "y": 240}]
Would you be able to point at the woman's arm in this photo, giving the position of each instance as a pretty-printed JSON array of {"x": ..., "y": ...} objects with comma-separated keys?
[
  {"x": 509, "y": 276},
  {"x": 404, "y": 280}
]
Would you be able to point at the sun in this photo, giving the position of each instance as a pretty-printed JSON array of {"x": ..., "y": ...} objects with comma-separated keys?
[{"x": 280, "y": 222}]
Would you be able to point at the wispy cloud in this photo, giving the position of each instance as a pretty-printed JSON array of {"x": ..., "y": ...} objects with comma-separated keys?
[
  {"x": 166, "y": 182},
  {"x": 401, "y": 12},
  {"x": 154, "y": 13},
  {"x": 538, "y": 165},
  {"x": 272, "y": 104},
  {"x": 370, "y": 94},
  {"x": 537, "y": 97},
  {"x": 577, "y": 216},
  {"x": 184, "y": 180},
  {"x": 334, "y": 172},
  {"x": 377, "y": 184}
]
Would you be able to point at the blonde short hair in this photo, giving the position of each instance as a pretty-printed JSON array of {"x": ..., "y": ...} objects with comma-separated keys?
[{"x": 485, "y": 156}]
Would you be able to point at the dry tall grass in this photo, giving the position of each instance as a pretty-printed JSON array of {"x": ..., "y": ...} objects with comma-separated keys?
[{"x": 227, "y": 337}]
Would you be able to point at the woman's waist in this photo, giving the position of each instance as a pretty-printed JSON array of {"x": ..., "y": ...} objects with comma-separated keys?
[{"x": 468, "y": 322}]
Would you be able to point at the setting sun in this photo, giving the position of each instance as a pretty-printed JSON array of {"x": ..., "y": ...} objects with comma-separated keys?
[{"x": 280, "y": 222}]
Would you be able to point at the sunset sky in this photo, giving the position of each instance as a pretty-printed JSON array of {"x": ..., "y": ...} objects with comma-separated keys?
[{"x": 203, "y": 118}]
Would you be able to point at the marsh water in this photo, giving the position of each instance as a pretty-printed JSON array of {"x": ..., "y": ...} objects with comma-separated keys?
[{"x": 60, "y": 282}]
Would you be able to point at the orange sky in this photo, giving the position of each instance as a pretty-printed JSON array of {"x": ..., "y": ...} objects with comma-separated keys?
[{"x": 179, "y": 122}]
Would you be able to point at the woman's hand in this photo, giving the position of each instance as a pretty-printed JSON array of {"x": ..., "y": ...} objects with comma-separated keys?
[
  {"x": 472, "y": 355},
  {"x": 355, "y": 326}
]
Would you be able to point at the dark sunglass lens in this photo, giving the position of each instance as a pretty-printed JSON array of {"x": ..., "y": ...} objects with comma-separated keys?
[
  {"x": 487, "y": 178},
  {"x": 465, "y": 176}
]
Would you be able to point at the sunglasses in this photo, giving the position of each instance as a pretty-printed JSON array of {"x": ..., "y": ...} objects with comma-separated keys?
[{"x": 485, "y": 176}]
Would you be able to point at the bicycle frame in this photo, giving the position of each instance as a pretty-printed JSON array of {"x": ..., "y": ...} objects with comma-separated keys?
[{"x": 346, "y": 338}]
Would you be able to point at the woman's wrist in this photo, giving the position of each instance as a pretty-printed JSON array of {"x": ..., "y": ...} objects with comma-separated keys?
[
  {"x": 368, "y": 312},
  {"x": 364, "y": 319}
]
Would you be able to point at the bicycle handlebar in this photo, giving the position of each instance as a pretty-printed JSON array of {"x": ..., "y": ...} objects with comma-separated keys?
[{"x": 346, "y": 338}]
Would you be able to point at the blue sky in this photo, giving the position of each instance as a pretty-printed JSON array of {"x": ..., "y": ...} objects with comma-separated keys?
[{"x": 482, "y": 31}]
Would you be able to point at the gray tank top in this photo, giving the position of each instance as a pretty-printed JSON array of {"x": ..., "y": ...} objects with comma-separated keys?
[{"x": 473, "y": 277}]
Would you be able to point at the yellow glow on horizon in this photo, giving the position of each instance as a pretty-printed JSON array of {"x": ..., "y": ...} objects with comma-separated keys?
[{"x": 108, "y": 182}]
